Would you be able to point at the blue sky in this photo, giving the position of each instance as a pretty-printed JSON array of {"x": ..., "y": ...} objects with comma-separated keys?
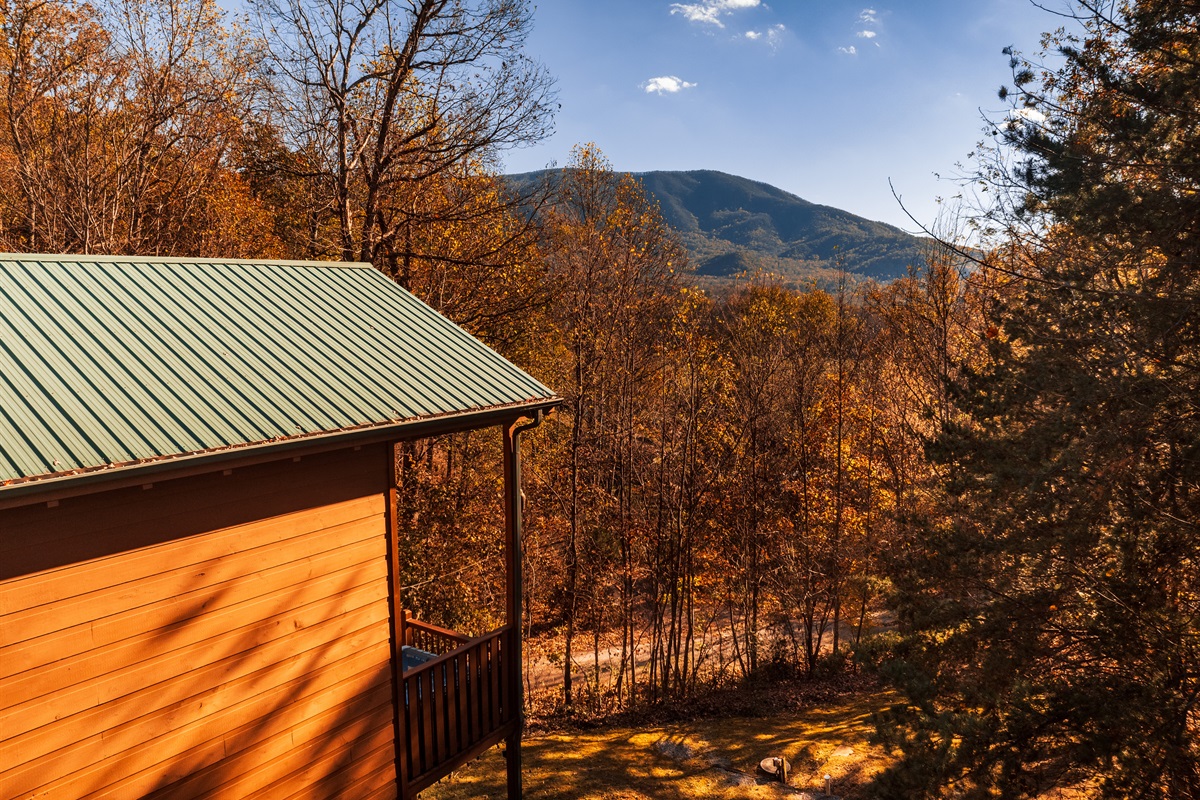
[{"x": 827, "y": 99}]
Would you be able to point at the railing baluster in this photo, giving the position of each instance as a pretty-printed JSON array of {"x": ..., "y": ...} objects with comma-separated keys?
[
  {"x": 497, "y": 720},
  {"x": 464, "y": 716},
  {"x": 439, "y": 747},
  {"x": 473, "y": 697},
  {"x": 505, "y": 687},
  {"x": 443, "y": 674},
  {"x": 408, "y": 687},
  {"x": 430, "y": 745},
  {"x": 489, "y": 668},
  {"x": 454, "y": 720},
  {"x": 419, "y": 698}
]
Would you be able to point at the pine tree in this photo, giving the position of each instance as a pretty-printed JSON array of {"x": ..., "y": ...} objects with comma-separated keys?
[{"x": 1052, "y": 621}]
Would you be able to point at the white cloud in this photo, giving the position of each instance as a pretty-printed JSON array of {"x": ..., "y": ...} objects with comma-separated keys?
[
  {"x": 868, "y": 17},
  {"x": 711, "y": 11},
  {"x": 1029, "y": 115},
  {"x": 850, "y": 51},
  {"x": 771, "y": 34},
  {"x": 668, "y": 84}
]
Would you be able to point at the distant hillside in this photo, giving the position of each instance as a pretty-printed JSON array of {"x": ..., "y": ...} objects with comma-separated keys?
[{"x": 732, "y": 225}]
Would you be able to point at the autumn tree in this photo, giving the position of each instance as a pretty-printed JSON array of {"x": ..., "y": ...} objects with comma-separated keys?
[
  {"x": 847, "y": 339},
  {"x": 392, "y": 98},
  {"x": 451, "y": 559},
  {"x": 755, "y": 329},
  {"x": 611, "y": 264},
  {"x": 1053, "y": 629},
  {"x": 820, "y": 418},
  {"x": 474, "y": 254},
  {"x": 931, "y": 327},
  {"x": 120, "y": 119},
  {"x": 690, "y": 410}
]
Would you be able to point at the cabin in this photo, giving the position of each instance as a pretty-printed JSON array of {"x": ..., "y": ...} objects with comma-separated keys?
[{"x": 198, "y": 544}]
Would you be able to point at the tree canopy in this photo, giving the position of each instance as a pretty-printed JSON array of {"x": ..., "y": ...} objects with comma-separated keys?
[{"x": 1051, "y": 611}]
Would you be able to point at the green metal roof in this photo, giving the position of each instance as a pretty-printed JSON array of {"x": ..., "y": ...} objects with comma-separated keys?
[{"x": 114, "y": 362}]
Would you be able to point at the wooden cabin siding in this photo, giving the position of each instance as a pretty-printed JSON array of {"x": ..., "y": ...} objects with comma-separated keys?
[{"x": 225, "y": 635}]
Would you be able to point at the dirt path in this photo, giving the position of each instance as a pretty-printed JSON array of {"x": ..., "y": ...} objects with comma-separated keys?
[{"x": 714, "y": 648}]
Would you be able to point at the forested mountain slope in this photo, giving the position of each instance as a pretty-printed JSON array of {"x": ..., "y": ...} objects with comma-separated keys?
[{"x": 731, "y": 224}]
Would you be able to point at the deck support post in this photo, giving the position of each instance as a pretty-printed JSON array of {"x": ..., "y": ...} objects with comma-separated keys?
[
  {"x": 513, "y": 595},
  {"x": 397, "y": 614}
]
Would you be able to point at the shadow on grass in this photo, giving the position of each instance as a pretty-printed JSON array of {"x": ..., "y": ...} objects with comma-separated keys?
[{"x": 715, "y": 757}]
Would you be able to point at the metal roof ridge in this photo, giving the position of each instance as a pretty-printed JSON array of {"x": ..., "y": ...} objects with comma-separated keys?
[{"x": 111, "y": 259}]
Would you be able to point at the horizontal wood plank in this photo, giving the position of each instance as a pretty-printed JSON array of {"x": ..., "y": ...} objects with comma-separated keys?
[
  {"x": 165, "y": 562},
  {"x": 165, "y": 614},
  {"x": 190, "y": 696},
  {"x": 383, "y": 793},
  {"x": 178, "y": 676},
  {"x": 350, "y": 730},
  {"x": 341, "y": 773},
  {"x": 193, "y": 734},
  {"x": 36, "y": 539},
  {"x": 367, "y": 777},
  {"x": 151, "y": 658}
]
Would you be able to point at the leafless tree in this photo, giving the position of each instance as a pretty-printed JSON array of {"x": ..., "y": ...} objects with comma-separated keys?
[
  {"x": 396, "y": 94},
  {"x": 118, "y": 118}
]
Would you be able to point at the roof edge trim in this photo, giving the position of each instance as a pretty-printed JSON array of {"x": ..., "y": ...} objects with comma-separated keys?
[{"x": 72, "y": 485}]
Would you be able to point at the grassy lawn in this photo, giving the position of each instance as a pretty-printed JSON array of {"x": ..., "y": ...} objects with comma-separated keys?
[{"x": 711, "y": 757}]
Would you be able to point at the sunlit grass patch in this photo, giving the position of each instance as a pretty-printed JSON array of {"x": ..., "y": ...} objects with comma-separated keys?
[{"x": 714, "y": 757}]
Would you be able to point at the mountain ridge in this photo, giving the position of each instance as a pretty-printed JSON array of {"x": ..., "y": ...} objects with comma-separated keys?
[{"x": 732, "y": 225}]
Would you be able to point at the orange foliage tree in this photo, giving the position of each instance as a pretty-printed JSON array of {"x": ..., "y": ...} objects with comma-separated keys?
[{"x": 119, "y": 122}]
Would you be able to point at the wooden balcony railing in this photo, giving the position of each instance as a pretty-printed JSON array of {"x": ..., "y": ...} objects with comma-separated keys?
[
  {"x": 431, "y": 638},
  {"x": 458, "y": 704}
]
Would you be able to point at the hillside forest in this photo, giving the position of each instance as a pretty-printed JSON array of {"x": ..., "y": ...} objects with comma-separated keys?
[{"x": 997, "y": 455}]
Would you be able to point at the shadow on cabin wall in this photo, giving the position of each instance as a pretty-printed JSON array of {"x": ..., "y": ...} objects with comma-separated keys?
[{"x": 221, "y": 635}]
